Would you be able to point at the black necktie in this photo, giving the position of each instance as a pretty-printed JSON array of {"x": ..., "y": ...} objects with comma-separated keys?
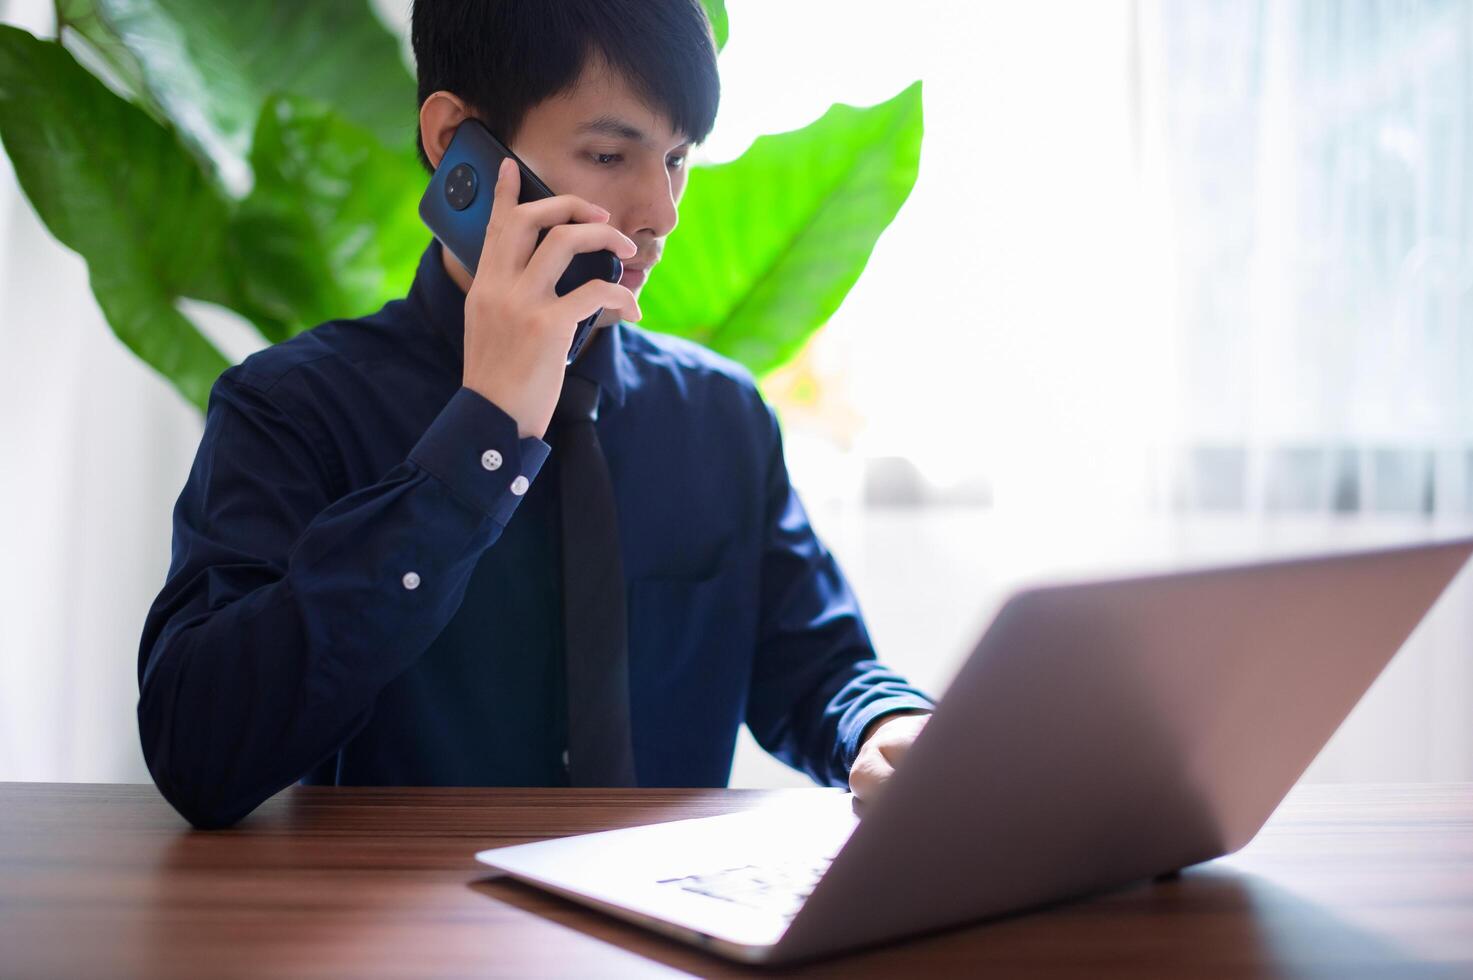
[{"x": 600, "y": 748}]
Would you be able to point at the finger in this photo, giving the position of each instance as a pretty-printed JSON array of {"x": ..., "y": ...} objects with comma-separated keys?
[
  {"x": 589, "y": 298},
  {"x": 895, "y": 740},
  {"x": 503, "y": 204},
  {"x": 527, "y": 220},
  {"x": 894, "y": 749},
  {"x": 551, "y": 258},
  {"x": 868, "y": 774}
]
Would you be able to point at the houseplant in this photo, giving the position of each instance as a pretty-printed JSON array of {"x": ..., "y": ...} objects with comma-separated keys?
[{"x": 230, "y": 154}]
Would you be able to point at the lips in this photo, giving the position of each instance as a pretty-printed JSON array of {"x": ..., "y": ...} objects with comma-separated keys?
[{"x": 634, "y": 275}]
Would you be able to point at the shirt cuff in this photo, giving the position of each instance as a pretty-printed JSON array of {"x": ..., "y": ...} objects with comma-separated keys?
[
  {"x": 472, "y": 447},
  {"x": 878, "y": 709}
]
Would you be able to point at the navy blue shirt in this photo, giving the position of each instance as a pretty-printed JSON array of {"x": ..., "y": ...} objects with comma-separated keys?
[{"x": 365, "y": 582}]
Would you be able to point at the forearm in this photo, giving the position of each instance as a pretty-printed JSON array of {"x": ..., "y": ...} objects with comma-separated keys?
[
  {"x": 277, "y": 627},
  {"x": 240, "y": 701}
]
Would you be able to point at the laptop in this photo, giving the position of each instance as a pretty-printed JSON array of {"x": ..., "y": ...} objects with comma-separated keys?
[{"x": 1100, "y": 733}]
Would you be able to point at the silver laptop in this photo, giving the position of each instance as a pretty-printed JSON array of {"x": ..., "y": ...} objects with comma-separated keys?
[{"x": 1100, "y": 733}]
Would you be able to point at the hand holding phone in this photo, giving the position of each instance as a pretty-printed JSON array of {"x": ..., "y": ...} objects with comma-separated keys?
[{"x": 544, "y": 267}]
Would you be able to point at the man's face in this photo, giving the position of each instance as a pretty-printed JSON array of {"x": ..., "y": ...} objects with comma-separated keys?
[{"x": 602, "y": 143}]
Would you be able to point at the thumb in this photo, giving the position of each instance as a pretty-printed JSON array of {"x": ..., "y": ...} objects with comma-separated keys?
[{"x": 503, "y": 200}]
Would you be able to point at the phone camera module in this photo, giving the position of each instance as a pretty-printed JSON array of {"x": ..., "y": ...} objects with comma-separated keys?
[{"x": 460, "y": 186}]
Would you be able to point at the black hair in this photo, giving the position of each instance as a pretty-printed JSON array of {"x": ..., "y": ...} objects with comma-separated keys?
[{"x": 502, "y": 57}]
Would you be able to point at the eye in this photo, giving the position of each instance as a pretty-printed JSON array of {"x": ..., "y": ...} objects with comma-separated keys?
[
  {"x": 678, "y": 161},
  {"x": 606, "y": 159}
]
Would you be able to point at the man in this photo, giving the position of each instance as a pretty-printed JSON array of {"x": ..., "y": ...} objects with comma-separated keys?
[{"x": 375, "y": 578}]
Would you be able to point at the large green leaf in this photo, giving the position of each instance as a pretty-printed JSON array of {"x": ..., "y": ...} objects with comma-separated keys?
[
  {"x": 769, "y": 244},
  {"x": 331, "y": 228},
  {"x": 82, "y": 20},
  {"x": 117, "y": 187},
  {"x": 716, "y": 11},
  {"x": 209, "y": 67}
]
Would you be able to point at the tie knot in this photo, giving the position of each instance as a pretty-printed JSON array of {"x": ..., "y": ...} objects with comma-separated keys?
[{"x": 579, "y": 400}]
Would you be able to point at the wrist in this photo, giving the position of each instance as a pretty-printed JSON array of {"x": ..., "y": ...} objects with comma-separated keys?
[
  {"x": 875, "y": 725},
  {"x": 518, "y": 413}
]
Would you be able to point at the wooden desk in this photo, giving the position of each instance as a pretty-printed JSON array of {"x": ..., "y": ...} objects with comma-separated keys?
[{"x": 108, "y": 881}]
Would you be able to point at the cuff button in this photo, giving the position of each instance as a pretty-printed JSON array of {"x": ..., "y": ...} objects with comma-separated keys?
[
  {"x": 411, "y": 580},
  {"x": 519, "y": 485},
  {"x": 491, "y": 459}
]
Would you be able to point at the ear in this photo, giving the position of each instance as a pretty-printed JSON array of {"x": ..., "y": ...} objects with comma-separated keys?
[{"x": 438, "y": 117}]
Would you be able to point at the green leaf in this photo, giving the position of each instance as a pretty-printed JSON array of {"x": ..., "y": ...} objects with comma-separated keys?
[
  {"x": 117, "y": 187},
  {"x": 209, "y": 67},
  {"x": 768, "y": 245},
  {"x": 332, "y": 228},
  {"x": 716, "y": 11},
  {"x": 83, "y": 21}
]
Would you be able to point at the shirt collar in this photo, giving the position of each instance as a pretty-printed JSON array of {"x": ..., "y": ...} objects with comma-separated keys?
[{"x": 441, "y": 304}]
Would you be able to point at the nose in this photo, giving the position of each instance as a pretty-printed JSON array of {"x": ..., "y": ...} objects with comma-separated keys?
[{"x": 653, "y": 211}]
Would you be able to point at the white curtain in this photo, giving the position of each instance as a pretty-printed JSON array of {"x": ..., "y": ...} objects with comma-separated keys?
[{"x": 1315, "y": 164}]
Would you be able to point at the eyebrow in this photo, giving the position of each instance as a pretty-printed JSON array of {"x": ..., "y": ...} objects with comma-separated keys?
[{"x": 614, "y": 126}]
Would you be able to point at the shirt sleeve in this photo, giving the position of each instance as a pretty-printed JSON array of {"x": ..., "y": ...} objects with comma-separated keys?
[
  {"x": 285, "y": 611},
  {"x": 816, "y": 681}
]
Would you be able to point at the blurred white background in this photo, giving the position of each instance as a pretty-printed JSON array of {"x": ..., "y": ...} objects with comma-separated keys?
[{"x": 1179, "y": 282}]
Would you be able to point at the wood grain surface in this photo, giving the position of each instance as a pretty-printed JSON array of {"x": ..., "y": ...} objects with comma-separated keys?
[{"x": 106, "y": 880}]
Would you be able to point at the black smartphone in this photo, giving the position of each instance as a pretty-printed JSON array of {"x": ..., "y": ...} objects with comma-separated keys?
[{"x": 457, "y": 205}]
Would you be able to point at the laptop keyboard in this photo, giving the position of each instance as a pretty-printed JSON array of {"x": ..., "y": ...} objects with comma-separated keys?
[{"x": 780, "y": 888}]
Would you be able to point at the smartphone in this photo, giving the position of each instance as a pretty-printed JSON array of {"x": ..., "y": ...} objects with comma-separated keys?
[{"x": 456, "y": 207}]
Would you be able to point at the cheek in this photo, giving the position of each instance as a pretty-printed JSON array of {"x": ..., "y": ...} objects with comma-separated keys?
[{"x": 571, "y": 178}]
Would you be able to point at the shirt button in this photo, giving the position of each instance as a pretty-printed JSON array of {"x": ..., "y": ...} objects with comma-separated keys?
[
  {"x": 519, "y": 485},
  {"x": 411, "y": 580},
  {"x": 565, "y": 758},
  {"x": 491, "y": 459}
]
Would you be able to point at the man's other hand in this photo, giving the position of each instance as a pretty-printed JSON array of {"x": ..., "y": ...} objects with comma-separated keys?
[{"x": 883, "y": 745}]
